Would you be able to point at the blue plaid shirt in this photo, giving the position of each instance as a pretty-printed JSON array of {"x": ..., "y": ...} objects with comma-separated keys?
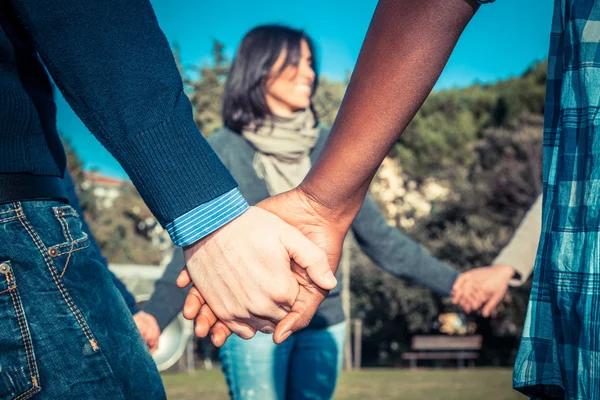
[{"x": 559, "y": 356}]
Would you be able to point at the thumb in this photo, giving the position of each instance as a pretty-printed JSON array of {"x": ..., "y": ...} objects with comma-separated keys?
[
  {"x": 184, "y": 278},
  {"x": 303, "y": 310},
  {"x": 309, "y": 256}
]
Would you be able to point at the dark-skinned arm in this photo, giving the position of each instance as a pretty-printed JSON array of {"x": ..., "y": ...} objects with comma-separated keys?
[{"x": 406, "y": 48}]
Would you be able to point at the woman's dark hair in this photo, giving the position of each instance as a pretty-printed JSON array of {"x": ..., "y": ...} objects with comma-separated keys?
[{"x": 244, "y": 100}]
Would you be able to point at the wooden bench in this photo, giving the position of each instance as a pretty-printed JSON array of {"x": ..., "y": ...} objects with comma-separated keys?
[{"x": 441, "y": 347}]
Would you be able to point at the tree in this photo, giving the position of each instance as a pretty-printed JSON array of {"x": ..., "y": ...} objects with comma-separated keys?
[{"x": 205, "y": 86}]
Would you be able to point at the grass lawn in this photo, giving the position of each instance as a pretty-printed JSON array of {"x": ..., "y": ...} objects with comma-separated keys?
[{"x": 384, "y": 384}]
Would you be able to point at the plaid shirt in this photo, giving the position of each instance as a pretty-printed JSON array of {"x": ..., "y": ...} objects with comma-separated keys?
[{"x": 559, "y": 355}]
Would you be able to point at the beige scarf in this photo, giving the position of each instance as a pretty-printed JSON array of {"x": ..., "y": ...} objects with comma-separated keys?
[{"x": 283, "y": 147}]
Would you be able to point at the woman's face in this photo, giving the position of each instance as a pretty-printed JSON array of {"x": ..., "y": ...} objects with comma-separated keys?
[{"x": 290, "y": 90}]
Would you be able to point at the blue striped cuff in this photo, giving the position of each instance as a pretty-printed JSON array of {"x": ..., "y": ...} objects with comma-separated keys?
[{"x": 206, "y": 218}]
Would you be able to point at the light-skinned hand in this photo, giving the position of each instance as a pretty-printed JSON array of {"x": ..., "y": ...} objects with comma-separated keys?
[
  {"x": 243, "y": 273},
  {"x": 491, "y": 281},
  {"x": 148, "y": 327},
  {"x": 319, "y": 225}
]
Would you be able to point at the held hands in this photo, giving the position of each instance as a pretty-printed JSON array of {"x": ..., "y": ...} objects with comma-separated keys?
[
  {"x": 242, "y": 277},
  {"x": 317, "y": 223},
  {"x": 484, "y": 286},
  {"x": 148, "y": 327}
]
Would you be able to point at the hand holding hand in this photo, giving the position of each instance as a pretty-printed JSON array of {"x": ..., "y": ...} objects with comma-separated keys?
[
  {"x": 148, "y": 327},
  {"x": 242, "y": 276},
  {"x": 484, "y": 286},
  {"x": 313, "y": 220}
]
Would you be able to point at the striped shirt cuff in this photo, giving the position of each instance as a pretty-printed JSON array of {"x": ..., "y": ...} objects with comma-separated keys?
[{"x": 206, "y": 218}]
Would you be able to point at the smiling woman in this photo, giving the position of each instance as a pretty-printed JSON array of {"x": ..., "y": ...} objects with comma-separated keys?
[{"x": 273, "y": 74}]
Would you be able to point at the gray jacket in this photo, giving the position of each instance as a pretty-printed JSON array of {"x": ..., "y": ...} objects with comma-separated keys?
[{"x": 389, "y": 248}]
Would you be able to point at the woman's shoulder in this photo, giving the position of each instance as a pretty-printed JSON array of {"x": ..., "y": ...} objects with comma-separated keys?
[{"x": 224, "y": 139}]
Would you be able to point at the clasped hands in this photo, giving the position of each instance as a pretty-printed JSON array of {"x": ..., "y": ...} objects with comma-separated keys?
[
  {"x": 243, "y": 283},
  {"x": 268, "y": 270}
]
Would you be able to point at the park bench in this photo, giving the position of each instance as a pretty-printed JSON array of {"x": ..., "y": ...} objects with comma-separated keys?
[{"x": 442, "y": 347}]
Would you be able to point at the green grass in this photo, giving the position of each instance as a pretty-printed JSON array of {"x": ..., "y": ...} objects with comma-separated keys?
[{"x": 380, "y": 384}]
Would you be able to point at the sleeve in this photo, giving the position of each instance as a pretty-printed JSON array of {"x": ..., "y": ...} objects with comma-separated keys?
[
  {"x": 115, "y": 68},
  {"x": 521, "y": 250}
]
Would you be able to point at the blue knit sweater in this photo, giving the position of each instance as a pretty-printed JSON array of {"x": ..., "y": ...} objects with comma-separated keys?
[{"x": 114, "y": 66}]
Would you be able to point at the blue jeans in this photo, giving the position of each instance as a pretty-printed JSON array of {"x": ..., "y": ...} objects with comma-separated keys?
[
  {"x": 65, "y": 331},
  {"x": 305, "y": 366}
]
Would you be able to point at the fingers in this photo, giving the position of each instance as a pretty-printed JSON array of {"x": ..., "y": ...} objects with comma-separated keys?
[
  {"x": 241, "y": 329},
  {"x": 196, "y": 309},
  {"x": 267, "y": 327},
  {"x": 458, "y": 289},
  {"x": 220, "y": 333},
  {"x": 306, "y": 305},
  {"x": 184, "y": 278},
  {"x": 310, "y": 257},
  {"x": 204, "y": 321},
  {"x": 476, "y": 297},
  {"x": 463, "y": 297},
  {"x": 193, "y": 302},
  {"x": 153, "y": 346}
]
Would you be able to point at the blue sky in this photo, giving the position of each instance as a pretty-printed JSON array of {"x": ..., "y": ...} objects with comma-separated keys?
[{"x": 503, "y": 39}]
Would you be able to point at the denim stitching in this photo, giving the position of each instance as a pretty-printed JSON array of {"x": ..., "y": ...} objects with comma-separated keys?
[
  {"x": 68, "y": 259},
  {"x": 23, "y": 328},
  {"x": 26, "y": 337},
  {"x": 7, "y": 290},
  {"x": 60, "y": 253},
  {"x": 25, "y": 395},
  {"x": 29, "y": 340},
  {"x": 9, "y": 218},
  {"x": 76, "y": 313},
  {"x": 65, "y": 229},
  {"x": 16, "y": 208},
  {"x": 65, "y": 225},
  {"x": 83, "y": 239},
  {"x": 67, "y": 232},
  {"x": 70, "y": 210}
]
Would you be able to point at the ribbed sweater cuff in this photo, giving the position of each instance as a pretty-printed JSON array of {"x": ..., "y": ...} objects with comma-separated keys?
[{"x": 174, "y": 168}]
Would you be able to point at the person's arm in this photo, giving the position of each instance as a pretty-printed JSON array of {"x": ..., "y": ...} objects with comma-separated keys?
[
  {"x": 167, "y": 299},
  {"x": 521, "y": 251},
  {"x": 406, "y": 48},
  {"x": 397, "y": 254},
  {"x": 74, "y": 202},
  {"x": 114, "y": 66}
]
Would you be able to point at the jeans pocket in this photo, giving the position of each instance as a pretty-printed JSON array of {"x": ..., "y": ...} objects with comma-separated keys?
[
  {"x": 75, "y": 239},
  {"x": 18, "y": 370}
]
